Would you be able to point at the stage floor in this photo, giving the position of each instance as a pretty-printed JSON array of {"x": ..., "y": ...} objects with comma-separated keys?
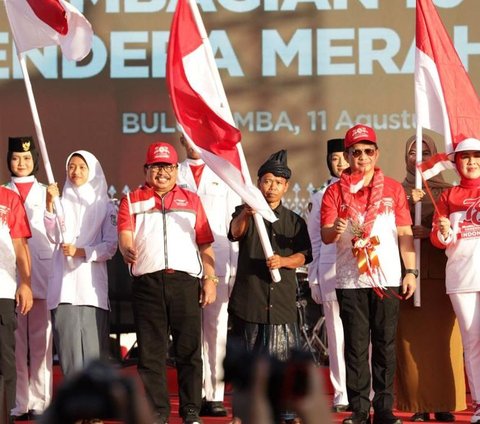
[{"x": 131, "y": 371}]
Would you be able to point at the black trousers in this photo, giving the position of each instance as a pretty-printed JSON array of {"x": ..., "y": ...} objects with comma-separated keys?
[
  {"x": 366, "y": 317},
  {"x": 161, "y": 303},
  {"x": 8, "y": 372}
]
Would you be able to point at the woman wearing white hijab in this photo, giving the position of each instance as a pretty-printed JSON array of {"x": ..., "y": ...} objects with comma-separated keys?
[{"x": 78, "y": 286}]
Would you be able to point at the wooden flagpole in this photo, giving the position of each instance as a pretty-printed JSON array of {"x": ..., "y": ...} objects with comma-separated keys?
[
  {"x": 259, "y": 223},
  {"x": 41, "y": 142},
  {"x": 418, "y": 214}
]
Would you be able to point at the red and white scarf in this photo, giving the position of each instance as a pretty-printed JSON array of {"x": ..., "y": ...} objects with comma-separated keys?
[
  {"x": 349, "y": 186},
  {"x": 352, "y": 209}
]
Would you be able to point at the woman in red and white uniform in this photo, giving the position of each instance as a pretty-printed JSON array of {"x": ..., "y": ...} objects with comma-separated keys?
[
  {"x": 457, "y": 229},
  {"x": 33, "y": 336}
]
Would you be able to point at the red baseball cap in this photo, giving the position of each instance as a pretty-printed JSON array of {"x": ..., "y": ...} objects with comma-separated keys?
[
  {"x": 161, "y": 153},
  {"x": 358, "y": 134}
]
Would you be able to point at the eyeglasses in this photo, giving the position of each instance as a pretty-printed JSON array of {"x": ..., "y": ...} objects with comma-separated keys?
[
  {"x": 157, "y": 168},
  {"x": 358, "y": 152}
]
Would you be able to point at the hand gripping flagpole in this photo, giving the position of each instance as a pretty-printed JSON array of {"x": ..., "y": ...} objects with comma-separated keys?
[
  {"x": 259, "y": 222},
  {"x": 41, "y": 142}
]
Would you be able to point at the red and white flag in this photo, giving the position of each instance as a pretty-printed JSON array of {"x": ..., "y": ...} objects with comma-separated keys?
[
  {"x": 445, "y": 99},
  {"x": 436, "y": 164},
  {"x": 201, "y": 107},
  {"x": 42, "y": 23}
]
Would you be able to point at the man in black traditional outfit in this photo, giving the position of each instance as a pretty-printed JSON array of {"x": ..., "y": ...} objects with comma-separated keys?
[{"x": 264, "y": 313}]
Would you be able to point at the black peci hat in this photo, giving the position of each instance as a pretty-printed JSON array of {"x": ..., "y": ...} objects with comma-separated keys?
[
  {"x": 335, "y": 145},
  {"x": 277, "y": 165},
  {"x": 22, "y": 145}
]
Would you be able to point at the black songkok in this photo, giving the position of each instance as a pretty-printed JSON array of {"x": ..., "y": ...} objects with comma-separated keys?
[
  {"x": 277, "y": 165},
  {"x": 334, "y": 145},
  {"x": 22, "y": 145}
]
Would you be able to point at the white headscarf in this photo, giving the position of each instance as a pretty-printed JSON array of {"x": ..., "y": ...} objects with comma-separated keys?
[{"x": 85, "y": 206}]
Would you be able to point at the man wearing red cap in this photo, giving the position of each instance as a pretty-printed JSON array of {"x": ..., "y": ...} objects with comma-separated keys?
[
  {"x": 165, "y": 237},
  {"x": 369, "y": 212}
]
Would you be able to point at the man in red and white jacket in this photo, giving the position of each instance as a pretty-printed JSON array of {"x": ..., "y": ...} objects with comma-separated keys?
[{"x": 165, "y": 237}]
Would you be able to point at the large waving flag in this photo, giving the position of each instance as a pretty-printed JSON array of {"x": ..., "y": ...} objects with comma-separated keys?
[
  {"x": 445, "y": 99},
  {"x": 41, "y": 23},
  {"x": 201, "y": 107}
]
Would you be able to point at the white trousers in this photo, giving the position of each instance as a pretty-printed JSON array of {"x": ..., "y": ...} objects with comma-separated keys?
[
  {"x": 467, "y": 310},
  {"x": 333, "y": 324},
  {"x": 33, "y": 353},
  {"x": 214, "y": 342}
]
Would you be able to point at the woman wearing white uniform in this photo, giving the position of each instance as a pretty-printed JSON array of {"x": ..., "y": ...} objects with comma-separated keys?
[
  {"x": 33, "y": 336},
  {"x": 219, "y": 202},
  {"x": 456, "y": 228},
  {"x": 322, "y": 279},
  {"x": 78, "y": 286}
]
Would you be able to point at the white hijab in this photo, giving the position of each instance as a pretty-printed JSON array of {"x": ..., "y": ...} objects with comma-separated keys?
[{"x": 85, "y": 207}]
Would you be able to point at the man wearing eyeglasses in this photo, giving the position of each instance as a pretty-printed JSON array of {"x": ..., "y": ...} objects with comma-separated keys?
[
  {"x": 366, "y": 214},
  {"x": 165, "y": 237}
]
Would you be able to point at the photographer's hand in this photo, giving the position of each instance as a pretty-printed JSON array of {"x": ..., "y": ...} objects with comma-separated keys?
[
  {"x": 312, "y": 408},
  {"x": 260, "y": 411}
]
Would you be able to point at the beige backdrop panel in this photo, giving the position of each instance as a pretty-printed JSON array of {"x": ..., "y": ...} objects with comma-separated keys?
[{"x": 89, "y": 113}]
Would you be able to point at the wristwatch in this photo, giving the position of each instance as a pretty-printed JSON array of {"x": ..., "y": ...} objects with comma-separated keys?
[{"x": 412, "y": 271}]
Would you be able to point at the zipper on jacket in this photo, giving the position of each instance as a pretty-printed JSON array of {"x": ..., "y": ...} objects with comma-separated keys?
[{"x": 165, "y": 238}]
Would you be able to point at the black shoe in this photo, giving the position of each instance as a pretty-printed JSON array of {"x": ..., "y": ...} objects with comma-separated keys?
[
  {"x": 444, "y": 417},
  {"x": 23, "y": 417},
  {"x": 386, "y": 418},
  {"x": 213, "y": 409},
  {"x": 339, "y": 408},
  {"x": 34, "y": 416},
  {"x": 420, "y": 417},
  {"x": 190, "y": 416},
  {"x": 160, "y": 418},
  {"x": 360, "y": 417}
]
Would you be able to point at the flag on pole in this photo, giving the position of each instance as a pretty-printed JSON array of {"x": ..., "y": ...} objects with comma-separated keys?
[
  {"x": 42, "y": 23},
  {"x": 201, "y": 107},
  {"x": 445, "y": 99},
  {"x": 436, "y": 164}
]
